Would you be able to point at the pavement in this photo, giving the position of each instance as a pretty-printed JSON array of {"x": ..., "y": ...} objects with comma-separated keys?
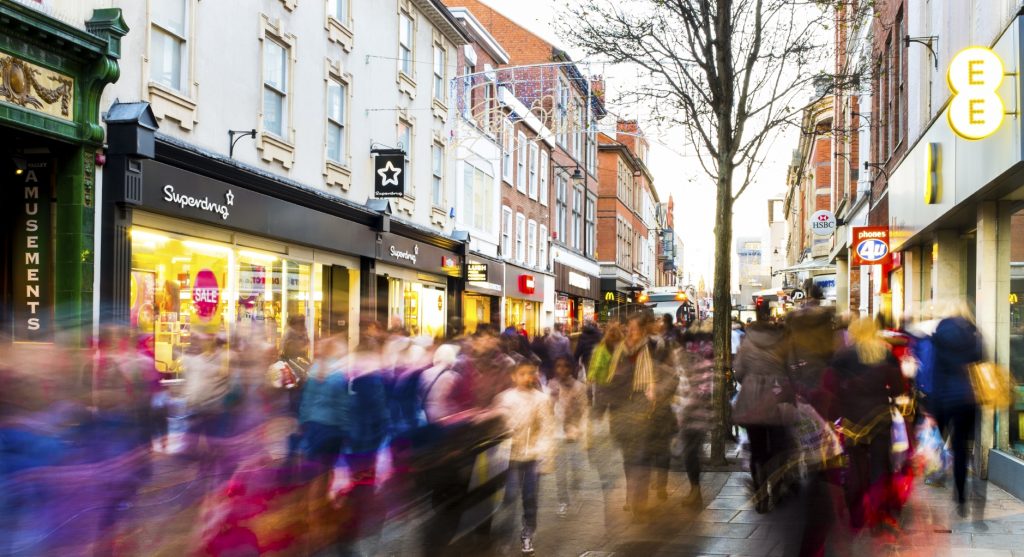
[{"x": 167, "y": 513}]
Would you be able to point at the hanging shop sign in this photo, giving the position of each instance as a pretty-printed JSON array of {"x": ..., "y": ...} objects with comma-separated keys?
[
  {"x": 389, "y": 173},
  {"x": 32, "y": 279},
  {"x": 974, "y": 76},
  {"x": 823, "y": 223},
  {"x": 931, "y": 173},
  {"x": 870, "y": 246}
]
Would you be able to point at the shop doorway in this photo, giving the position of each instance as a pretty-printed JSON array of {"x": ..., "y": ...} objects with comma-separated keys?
[{"x": 335, "y": 320}]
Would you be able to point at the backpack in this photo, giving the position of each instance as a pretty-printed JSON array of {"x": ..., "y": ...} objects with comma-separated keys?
[{"x": 923, "y": 350}]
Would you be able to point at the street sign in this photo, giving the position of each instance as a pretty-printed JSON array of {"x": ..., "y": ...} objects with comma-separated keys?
[
  {"x": 389, "y": 173},
  {"x": 823, "y": 223}
]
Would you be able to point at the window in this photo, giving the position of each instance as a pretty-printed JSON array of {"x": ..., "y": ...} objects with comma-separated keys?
[
  {"x": 534, "y": 160},
  {"x": 439, "y": 63},
  {"x": 591, "y": 227},
  {"x": 506, "y": 233},
  {"x": 531, "y": 241},
  {"x": 592, "y": 148},
  {"x": 542, "y": 246},
  {"x": 521, "y": 163},
  {"x": 467, "y": 90},
  {"x": 897, "y": 92},
  {"x": 336, "y": 121},
  {"x": 405, "y": 137},
  {"x": 545, "y": 170},
  {"x": 168, "y": 49},
  {"x": 507, "y": 140},
  {"x": 405, "y": 43},
  {"x": 520, "y": 238},
  {"x": 338, "y": 9},
  {"x": 562, "y": 113},
  {"x": 275, "y": 88},
  {"x": 577, "y": 141},
  {"x": 476, "y": 197},
  {"x": 561, "y": 206},
  {"x": 437, "y": 185},
  {"x": 890, "y": 90},
  {"x": 577, "y": 218}
]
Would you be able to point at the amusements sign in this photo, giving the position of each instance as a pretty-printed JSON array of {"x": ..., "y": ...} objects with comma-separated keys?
[{"x": 33, "y": 281}]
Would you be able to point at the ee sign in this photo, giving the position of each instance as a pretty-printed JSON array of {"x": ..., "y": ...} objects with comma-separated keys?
[
  {"x": 974, "y": 77},
  {"x": 870, "y": 246},
  {"x": 823, "y": 223}
]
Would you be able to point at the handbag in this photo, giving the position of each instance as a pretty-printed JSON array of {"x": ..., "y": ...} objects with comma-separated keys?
[
  {"x": 900, "y": 440},
  {"x": 818, "y": 440},
  {"x": 991, "y": 383}
]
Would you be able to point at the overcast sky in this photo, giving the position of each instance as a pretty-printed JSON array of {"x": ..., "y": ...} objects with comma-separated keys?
[{"x": 675, "y": 169}]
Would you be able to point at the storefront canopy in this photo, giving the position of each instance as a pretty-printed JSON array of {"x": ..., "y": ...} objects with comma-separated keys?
[{"x": 809, "y": 265}]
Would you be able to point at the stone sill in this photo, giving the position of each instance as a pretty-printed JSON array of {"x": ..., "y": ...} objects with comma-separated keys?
[{"x": 168, "y": 103}]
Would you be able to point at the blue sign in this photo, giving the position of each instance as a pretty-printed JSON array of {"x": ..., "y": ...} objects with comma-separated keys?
[{"x": 872, "y": 250}]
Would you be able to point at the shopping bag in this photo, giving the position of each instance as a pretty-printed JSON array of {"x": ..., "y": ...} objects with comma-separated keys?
[
  {"x": 992, "y": 386},
  {"x": 900, "y": 440},
  {"x": 818, "y": 441}
]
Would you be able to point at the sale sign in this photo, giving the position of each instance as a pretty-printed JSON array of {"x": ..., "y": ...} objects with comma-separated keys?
[
  {"x": 870, "y": 246},
  {"x": 206, "y": 295}
]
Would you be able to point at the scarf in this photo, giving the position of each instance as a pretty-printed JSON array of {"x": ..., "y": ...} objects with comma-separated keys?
[{"x": 643, "y": 370}]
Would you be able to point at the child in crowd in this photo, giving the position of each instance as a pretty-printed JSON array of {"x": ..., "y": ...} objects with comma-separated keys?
[
  {"x": 571, "y": 409},
  {"x": 529, "y": 416}
]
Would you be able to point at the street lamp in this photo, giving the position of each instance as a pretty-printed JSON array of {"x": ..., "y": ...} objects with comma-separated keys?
[{"x": 577, "y": 174}]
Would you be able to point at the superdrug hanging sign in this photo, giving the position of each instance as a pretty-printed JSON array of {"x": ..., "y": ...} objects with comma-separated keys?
[{"x": 389, "y": 173}]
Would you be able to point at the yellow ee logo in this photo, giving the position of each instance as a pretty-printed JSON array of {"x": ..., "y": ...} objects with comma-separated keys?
[{"x": 974, "y": 76}]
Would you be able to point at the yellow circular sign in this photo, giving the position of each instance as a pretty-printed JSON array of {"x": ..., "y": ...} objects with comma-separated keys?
[{"x": 974, "y": 76}]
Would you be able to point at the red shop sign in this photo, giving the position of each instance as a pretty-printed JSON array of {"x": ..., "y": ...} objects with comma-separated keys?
[
  {"x": 870, "y": 246},
  {"x": 527, "y": 284}
]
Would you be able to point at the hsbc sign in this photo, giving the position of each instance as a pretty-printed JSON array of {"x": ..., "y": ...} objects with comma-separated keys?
[
  {"x": 823, "y": 223},
  {"x": 870, "y": 246}
]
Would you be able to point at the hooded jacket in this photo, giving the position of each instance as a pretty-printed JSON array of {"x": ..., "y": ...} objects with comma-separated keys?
[
  {"x": 761, "y": 371},
  {"x": 957, "y": 344}
]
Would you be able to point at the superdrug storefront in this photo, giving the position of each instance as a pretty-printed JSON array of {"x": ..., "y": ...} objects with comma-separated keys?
[{"x": 194, "y": 244}]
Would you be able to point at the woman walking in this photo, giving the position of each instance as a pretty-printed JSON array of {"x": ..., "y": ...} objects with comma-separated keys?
[{"x": 630, "y": 397}]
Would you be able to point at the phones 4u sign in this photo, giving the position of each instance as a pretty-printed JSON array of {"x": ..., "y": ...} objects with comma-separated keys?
[{"x": 870, "y": 246}]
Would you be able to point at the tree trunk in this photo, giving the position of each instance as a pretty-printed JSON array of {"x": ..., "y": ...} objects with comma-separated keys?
[{"x": 723, "y": 312}]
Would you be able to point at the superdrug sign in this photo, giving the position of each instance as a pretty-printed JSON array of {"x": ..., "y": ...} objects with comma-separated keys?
[{"x": 389, "y": 173}]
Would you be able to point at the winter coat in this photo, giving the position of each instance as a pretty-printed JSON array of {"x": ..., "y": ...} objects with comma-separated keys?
[
  {"x": 529, "y": 417},
  {"x": 630, "y": 409},
  {"x": 590, "y": 337},
  {"x": 206, "y": 382},
  {"x": 698, "y": 364},
  {"x": 760, "y": 368},
  {"x": 322, "y": 396},
  {"x": 811, "y": 343},
  {"x": 570, "y": 406},
  {"x": 365, "y": 412},
  {"x": 862, "y": 393},
  {"x": 957, "y": 344},
  {"x": 600, "y": 365}
]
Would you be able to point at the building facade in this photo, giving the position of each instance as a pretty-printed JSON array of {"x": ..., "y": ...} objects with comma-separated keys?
[{"x": 246, "y": 192}]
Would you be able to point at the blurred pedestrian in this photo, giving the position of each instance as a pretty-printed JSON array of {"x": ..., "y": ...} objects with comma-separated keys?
[
  {"x": 630, "y": 398},
  {"x": 865, "y": 377},
  {"x": 589, "y": 338},
  {"x": 957, "y": 345},
  {"x": 529, "y": 417},
  {"x": 664, "y": 424},
  {"x": 571, "y": 411},
  {"x": 698, "y": 364},
  {"x": 760, "y": 368}
]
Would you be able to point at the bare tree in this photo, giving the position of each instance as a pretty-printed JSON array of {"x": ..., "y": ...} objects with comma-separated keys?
[{"x": 730, "y": 73}]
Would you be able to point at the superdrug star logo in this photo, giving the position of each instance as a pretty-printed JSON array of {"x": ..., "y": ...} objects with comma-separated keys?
[{"x": 393, "y": 171}]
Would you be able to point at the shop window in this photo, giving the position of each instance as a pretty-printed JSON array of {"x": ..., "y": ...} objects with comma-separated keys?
[
  {"x": 182, "y": 286},
  {"x": 1016, "y": 410},
  {"x": 419, "y": 308}
]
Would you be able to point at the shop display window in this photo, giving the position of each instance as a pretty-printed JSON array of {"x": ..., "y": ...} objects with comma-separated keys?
[
  {"x": 1016, "y": 410},
  {"x": 419, "y": 308},
  {"x": 518, "y": 312},
  {"x": 181, "y": 286}
]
